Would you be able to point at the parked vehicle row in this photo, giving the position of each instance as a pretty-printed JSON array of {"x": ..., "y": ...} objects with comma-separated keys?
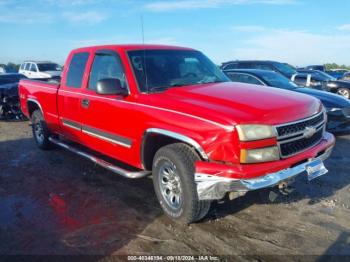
[
  {"x": 282, "y": 68},
  {"x": 304, "y": 77},
  {"x": 323, "y": 81},
  {"x": 336, "y": 73},
  {"x": 170, "y": 112},
  {"x": 337, "y": 107}
]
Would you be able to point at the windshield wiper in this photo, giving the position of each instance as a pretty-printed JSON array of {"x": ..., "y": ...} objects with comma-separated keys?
[
  {"x": 212, "y": 82},
  {"x": 177, "y": 85},
  {"x": 157, "y": 88}
]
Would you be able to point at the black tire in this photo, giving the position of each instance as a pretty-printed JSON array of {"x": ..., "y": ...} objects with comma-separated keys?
[
  {"x": 344, "y": 92},
  {"x": 179, "y": 202},
  {"x": 41, "y": 132}
]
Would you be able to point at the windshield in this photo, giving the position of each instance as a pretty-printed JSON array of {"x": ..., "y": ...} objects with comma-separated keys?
[
  {"x": 48, "y": 67},
  {"x": 162, "y": 69},
  {"x": 277, "y": 80},
  {"x": 323, "y": 75},
  {"x": 285, "y": 69}
]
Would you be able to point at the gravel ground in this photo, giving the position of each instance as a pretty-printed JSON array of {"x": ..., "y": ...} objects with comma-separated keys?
[{"x": 54, "y": 202}]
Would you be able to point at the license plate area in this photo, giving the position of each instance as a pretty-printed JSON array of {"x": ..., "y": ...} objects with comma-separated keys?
[{"x": 315, "y": 169}]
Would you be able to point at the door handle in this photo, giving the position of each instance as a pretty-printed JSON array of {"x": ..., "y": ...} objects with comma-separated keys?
[{"x": 85, "y": 103}]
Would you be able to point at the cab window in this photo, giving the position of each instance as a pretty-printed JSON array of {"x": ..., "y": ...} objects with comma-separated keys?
[
  {"x": 106, "y": 66},
  {"x": 233, "y": 76},
  {"x": 33, "y": 68},
  {"x": 249, "y": 79},
  {"x": 300, "y": 80},
  {"x": 245, "y": 65},
  {"x": 263, "y": 66},
  {"x": 76, "y": 69},
  {"x": 231, "y": 66}
]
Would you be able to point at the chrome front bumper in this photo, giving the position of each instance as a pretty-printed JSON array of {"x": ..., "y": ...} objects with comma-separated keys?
[{"x": 211, "y": 187}]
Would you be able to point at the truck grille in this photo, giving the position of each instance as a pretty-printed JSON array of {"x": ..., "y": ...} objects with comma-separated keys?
[
  {"x": 295, "y": 137},
  {"x": 291, "y": 129},
  {"x": 296, "y": 146}
]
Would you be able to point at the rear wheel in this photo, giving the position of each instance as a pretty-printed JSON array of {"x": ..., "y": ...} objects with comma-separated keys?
[
  {"x": 40, "y": 131},
  {"x": 173, "y": 179},
  {"x": 345, "y": 92}
]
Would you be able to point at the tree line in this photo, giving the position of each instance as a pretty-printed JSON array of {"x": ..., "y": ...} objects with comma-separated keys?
[
  {"x": 10, "y": 67},
  {"x": 330, "y": 66}
]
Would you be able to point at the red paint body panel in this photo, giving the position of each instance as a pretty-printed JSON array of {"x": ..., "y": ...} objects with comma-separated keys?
[{"x": 206, "y": 113}]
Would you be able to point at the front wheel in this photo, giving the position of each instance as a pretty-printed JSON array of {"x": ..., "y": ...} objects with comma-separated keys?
[
  {"x": 40, "y": 131},
  {"x": 173, "y": 179},
  {"x": 345, "y": 92}
]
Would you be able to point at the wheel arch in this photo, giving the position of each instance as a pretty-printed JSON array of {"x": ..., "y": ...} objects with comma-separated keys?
[
  {"x": 155, "y": 138},
  {"x": 32, "y": 105}
]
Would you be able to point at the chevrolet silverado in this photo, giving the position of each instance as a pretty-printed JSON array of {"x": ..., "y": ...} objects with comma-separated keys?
[{"x": 169, "y": 112}]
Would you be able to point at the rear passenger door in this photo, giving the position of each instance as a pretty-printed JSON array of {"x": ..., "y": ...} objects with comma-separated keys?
[{"x": 69, "y": 96}]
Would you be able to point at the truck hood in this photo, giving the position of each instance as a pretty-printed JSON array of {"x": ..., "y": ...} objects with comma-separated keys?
[{"x": 237, "y": 103}]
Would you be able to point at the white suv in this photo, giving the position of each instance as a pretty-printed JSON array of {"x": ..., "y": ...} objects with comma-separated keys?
[{"x": 42, "y": 69}]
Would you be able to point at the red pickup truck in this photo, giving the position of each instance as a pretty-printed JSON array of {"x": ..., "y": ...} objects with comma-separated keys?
[{"x": 170, "y": 112}]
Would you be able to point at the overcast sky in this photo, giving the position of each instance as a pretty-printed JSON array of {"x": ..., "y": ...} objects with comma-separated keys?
[{"x": 299, "y": 32}]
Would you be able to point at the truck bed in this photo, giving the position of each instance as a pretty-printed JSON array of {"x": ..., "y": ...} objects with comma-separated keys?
[{"x": 43, "y": 93}]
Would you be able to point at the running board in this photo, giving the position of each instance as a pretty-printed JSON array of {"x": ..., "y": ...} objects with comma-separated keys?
[{"x": 100, "y": 162}]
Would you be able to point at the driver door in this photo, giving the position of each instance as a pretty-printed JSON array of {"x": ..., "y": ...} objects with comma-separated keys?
[{"x": 106, "y": 124}]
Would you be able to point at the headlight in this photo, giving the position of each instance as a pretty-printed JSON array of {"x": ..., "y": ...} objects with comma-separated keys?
[
  {"x": 333, "y": 109},
  {"x": 259, "y": 155},
  {"x": 331, "y": 85},
  {"x": 255, "y": 132}
]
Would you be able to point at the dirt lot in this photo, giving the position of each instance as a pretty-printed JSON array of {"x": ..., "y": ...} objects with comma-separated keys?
[{"x": 55, "y": 202}]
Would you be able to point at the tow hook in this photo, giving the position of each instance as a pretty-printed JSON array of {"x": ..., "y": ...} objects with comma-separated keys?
[{"x": 285, "y": 188}]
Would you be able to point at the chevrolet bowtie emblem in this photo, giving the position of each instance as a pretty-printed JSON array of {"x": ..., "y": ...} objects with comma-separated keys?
[{"x": 309, "y": 131}]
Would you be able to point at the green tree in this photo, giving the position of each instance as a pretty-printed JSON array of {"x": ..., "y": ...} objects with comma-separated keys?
[
  {"x": 12, "y": 67},
  {"x": 330, "y": 66}
]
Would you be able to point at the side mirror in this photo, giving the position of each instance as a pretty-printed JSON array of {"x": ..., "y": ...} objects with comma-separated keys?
[{"x": 110, "y": 86}]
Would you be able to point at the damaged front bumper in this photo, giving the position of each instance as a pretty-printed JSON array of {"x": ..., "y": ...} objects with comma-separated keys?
[{"x": 214, "y": 187}]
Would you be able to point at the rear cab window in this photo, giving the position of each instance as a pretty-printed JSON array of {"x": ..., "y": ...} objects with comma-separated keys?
[{"x": 76, "y": 69}]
